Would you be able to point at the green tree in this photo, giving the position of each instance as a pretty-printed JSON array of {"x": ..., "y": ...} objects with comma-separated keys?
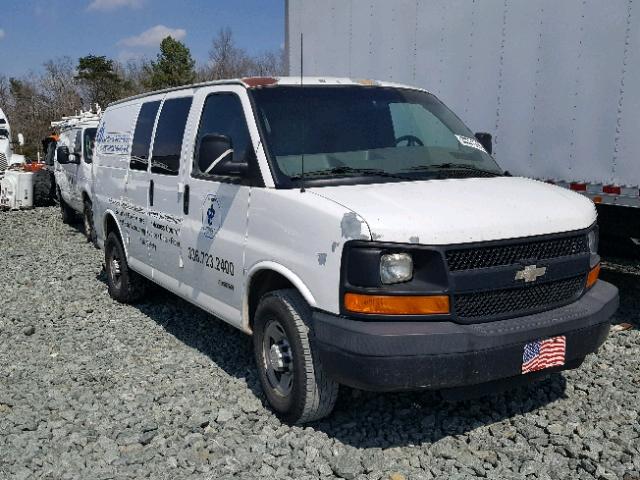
[
  {"x": 103, "y": 84},
  {"x": 173, "y": 66}
]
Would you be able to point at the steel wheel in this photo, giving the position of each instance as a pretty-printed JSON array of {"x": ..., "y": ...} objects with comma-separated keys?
[
  {"x": 86, "y": 218},
  {"x": 115, "y": 271},
  {"x": 124, "y": 284},
  {"x": 278, "y": 358}
]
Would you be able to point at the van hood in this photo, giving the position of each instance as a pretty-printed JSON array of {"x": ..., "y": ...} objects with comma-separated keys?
[{"x": 452, "y": 211}]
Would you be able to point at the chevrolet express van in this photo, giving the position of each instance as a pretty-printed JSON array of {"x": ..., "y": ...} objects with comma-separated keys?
[
  {"x": 72, "y": 163},
  {"x": 358, "y": 230}
]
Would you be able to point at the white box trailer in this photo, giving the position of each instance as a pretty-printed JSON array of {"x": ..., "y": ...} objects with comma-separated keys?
[{"x": 556, "y": 83}]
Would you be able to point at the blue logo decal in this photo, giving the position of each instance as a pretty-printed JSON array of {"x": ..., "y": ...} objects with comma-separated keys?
[{"x": 211, "y": 216}]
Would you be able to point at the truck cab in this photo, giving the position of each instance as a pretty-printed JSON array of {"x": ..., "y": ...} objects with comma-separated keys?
[
  {"x": 356, "y": 229},
  {"x": 72, "y": 163}
]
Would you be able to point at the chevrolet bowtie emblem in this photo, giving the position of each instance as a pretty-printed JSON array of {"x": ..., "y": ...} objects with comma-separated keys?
[{"x": 530, "y": 273}]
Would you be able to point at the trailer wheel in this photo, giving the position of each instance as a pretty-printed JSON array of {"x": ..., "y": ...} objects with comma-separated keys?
[
  {"x": 68, "y": 214},
  {"x": 292, "y": 376},
  {"x": 87, "y": 220},
  {"x": 124, "y": 285}
]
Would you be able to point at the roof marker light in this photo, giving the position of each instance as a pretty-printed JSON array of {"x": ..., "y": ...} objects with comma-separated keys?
[
  {"x": 253, "y": 82},
  {"x": 578, "y": 187}
]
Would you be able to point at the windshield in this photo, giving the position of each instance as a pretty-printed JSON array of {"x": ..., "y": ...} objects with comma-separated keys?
[{"x": 354, "y": 131}]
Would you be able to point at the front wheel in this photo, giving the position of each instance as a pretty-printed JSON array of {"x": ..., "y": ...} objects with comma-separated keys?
[
  {"x": 291, "y": 374},
  {"x": 87, "y": 220},
  {"x": 68, "y": 214}
]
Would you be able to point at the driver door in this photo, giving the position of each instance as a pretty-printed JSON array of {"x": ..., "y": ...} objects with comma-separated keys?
[{"x": 214, "y": 233}]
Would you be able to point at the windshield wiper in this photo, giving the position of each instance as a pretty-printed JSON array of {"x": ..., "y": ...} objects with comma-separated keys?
[
  {"x": 349, "y": 170},
  {"x": 453, "y": 166}
]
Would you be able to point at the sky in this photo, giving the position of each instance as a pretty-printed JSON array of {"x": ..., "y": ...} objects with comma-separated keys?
[{"x": 34, "y": 31}]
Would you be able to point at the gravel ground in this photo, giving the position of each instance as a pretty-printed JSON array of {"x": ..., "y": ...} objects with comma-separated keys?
[{"x": 93, "y": 389}]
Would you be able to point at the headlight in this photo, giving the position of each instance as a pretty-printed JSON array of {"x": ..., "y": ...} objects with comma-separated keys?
[
  {"x": 396, "y": 268},
  {"x": 592, "y": 239}
]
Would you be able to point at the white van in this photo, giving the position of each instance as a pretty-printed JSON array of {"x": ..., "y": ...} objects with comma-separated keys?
[
  {"x": 72, "y": 167},
  {"x": 358, "y": 230}
]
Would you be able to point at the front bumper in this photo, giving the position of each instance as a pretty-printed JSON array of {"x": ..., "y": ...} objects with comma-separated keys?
[{"x": 389, "y": 356}]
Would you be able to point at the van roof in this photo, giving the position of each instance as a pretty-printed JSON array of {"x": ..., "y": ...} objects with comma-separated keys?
[{"x": 256, "y": 82}]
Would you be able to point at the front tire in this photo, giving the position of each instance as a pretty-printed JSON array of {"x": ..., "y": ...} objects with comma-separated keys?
[
  {"x": 291, "y": 374},
  {"x": 124, "y": 285},
  {"x": 68, "y": 215},
  {"x": 87, "y": 220}
]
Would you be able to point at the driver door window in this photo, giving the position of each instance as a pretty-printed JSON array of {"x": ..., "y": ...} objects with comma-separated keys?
[{"x": 223, "y": 115}]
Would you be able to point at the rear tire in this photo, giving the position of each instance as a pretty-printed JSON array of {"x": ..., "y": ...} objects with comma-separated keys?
[
  {"x": 124, "y": 285},
  {"x": 291, "y": 374},
  {"x": 68, "y": 214}
]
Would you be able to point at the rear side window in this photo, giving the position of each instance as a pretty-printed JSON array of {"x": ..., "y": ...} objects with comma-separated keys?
[
  {"x": 169, "y": 132},
  {"x": 142, "y": 135},
  {"x": 223, "y": 114}
]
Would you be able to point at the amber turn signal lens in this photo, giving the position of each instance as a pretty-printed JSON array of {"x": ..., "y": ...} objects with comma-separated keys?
[
  {"x": 396, "y": 305},
  {"x": 593, "y": 276}
]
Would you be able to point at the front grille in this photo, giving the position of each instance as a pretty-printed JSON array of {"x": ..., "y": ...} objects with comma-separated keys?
[
  {"x": 3, "y": 162},
  {"x": 495, "y": 303},
  {"x": 494, "y": 256}
]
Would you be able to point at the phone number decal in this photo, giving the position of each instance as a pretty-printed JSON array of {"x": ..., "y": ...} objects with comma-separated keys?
[{"x": 211, "y": 261}]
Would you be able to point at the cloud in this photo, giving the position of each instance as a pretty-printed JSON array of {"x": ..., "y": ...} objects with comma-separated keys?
[
  {"x": 106, "y": 5},
  {"x": 2, "y": 34},
  {"x": 153, "y": 36}
]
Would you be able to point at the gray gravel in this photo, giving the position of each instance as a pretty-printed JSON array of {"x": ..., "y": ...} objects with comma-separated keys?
[{"x": 93, "y": 389}]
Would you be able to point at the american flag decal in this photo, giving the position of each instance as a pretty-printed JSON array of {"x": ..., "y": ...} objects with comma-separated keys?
[{"x": 543, "y": 354}]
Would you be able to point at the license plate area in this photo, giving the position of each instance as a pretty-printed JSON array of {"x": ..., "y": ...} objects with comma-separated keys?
[{"x": 542, "y": 354}]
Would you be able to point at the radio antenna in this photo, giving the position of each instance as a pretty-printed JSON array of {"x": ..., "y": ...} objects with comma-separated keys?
[{"x": 304, "y": 110}]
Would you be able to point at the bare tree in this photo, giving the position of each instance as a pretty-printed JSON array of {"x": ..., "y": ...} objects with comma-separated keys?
[
  {"x": 134, "y": 72},
  {"x": 5, "y": 93},
  {"x": 57, "y": 85},
  {"x": 226, "y": 59},
  {"x": 268, "y": 63}
]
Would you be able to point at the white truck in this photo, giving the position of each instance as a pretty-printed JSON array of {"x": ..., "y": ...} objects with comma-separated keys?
[
  {"x": 5, "y": 143},
  {"x": 16, "y": 183},
  {"x": 7, "y": 156},
  {"x": 357, "y": 230},
  {"x": 556, "y": 83},
  {"x": 72, "y": 167}
]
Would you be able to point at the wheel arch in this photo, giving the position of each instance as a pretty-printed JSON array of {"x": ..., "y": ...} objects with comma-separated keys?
[
  {"x": 266, "y": 277},
  {"x": 110, "y": 224}
]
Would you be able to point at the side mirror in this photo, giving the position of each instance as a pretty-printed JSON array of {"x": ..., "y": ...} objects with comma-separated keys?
[
  {"x": 216, "y": 152},
  {"x": 21, "y": 140},
  {"x": 74, "y": 157},
  {"x": 485, "y": 140},
  {"x": 62, "y": 155}
]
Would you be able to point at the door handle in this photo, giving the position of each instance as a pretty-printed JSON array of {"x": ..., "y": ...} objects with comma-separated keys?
[
  {"x": 151, "y": 193},
  {"x": 185, "y": 201}
]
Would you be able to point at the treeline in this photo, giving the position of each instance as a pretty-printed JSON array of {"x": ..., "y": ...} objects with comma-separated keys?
[{"x": 65, "y": 87}]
